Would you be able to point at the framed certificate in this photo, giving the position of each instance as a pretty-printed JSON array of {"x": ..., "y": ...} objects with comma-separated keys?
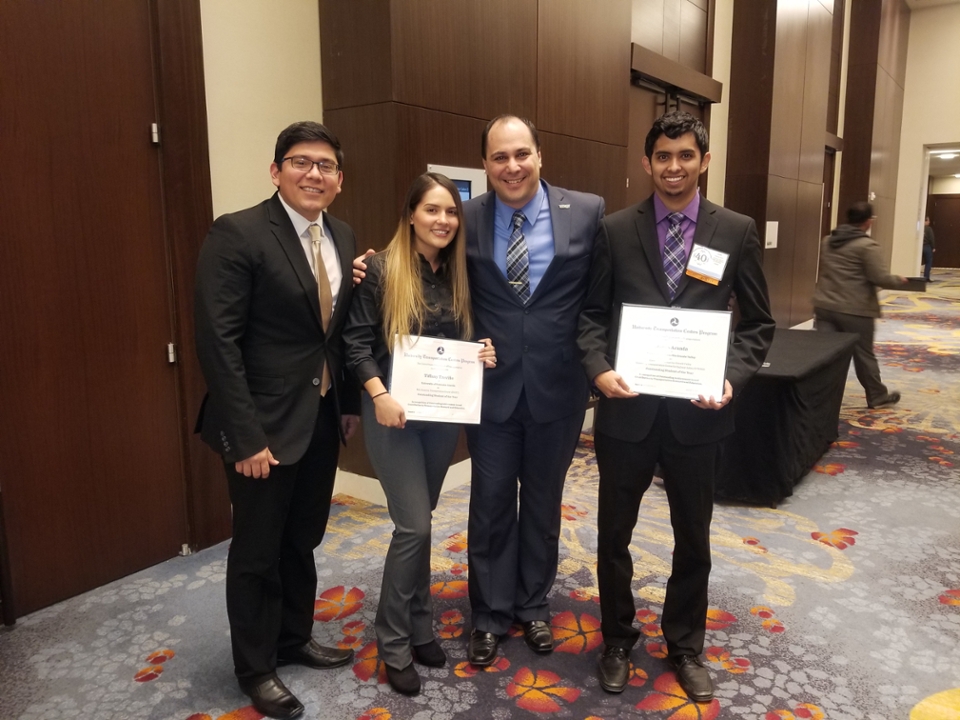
[
  {"x": 673, "y": 352},
  {"x": 437, "y": 379}
]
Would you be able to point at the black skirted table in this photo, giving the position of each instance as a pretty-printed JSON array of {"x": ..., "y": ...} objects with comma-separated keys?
[{"x": 786, "y": 416}]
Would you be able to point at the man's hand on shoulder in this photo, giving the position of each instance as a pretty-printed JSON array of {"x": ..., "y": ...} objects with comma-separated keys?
[
  {"x": 360, "y": 267},
  {"x": 612, "y": 385},
  {"x": 712, "y": 404},
  {"x": 257, "y": 466}
]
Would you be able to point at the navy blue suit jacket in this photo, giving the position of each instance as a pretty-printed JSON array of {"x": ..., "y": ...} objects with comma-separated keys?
[{"x": 537, "y": 342}]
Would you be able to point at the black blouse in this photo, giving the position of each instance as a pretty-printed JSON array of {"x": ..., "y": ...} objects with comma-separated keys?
[{"x": 366, "y": 350}]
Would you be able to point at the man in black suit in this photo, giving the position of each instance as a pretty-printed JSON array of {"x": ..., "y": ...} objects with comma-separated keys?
[
  {"x": 273, "y": 288},
  {"x": 528, "y": 253},
  {"x": 640, "y": 258}
]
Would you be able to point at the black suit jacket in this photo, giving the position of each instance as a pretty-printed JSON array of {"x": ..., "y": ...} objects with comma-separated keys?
[
  {"x": 259, "y": 335},
  {"x": 627, "y": 268},
  {"x": 537, "y": 342}
]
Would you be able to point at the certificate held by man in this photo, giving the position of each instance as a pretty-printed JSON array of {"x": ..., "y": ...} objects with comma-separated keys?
[
  {"x": 437, "y": 379},
  {"x": 673, "y": 352}
]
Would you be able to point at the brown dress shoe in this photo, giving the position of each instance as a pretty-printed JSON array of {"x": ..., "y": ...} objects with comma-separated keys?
[
  {"x": 272, "y": 698},
  {"x": 314, "y": 655},
  {"x": 693, "y": 678}
]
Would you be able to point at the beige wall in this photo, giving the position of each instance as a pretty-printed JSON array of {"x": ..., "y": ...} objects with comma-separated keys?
[
  {"x": 945, "y": 186},
  {"x": 931, "y": 114},
  {"x": 262, "y": 72}
]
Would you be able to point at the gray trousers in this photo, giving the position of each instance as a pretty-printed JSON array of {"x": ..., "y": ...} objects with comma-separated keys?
[
  {"x": 411, "y": 464},
  {"x": 864, "y": 361}
]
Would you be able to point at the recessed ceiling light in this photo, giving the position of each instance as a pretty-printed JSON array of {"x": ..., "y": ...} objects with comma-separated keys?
[
  {"x": 948, "y": 156},
  {"x": 957, "y": 175}
]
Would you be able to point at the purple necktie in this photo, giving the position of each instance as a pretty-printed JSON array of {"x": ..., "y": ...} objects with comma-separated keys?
[{"x": 674, "y": 255}]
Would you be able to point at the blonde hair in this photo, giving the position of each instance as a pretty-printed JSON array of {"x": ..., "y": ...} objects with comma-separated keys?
[{"x": 403, "y": 306}]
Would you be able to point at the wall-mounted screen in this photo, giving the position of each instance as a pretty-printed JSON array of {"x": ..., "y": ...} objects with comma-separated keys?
[{"x": 471, "y": 182}]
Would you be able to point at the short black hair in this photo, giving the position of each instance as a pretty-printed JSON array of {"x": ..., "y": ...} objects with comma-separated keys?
[
  {"x": 673, "y": 125},
  {"x": 503, "y": 118},
  {"x": 859, "y": 212},
  {"x": 305, "y": 131}
]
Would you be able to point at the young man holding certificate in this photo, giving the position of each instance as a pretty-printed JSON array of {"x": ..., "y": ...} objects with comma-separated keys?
[{"x": 676, "y": 250}]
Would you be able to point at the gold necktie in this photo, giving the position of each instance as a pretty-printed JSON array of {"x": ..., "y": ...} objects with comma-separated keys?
[{"x": 326, "y": 296}]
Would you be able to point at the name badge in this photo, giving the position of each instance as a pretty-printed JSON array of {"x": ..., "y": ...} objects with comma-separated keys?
[{"x": 706, "y": 264}]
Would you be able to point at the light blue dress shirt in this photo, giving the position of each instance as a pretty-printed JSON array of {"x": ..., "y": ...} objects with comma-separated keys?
[{"x": 537, "y": 230}]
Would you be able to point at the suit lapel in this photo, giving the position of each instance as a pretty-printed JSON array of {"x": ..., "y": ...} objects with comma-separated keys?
[
  {"x": 290, "y": 242},
  {"x": 345, "y": 254},
  {"x": 485, "y": 222},
  {"x": 560, "y": 221},
  {"x": 646, "y": 222},
  {"x": 702, "y": 235}
]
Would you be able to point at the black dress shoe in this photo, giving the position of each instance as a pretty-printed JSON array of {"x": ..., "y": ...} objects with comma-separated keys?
[
  {"x": 406, "y": 681},
  {"x": 482, "y": 650},
  {"x": 614, "y": 668},
  {"x": 891, "y": 399},
  {"x": 430, "y": 654},
  {"x": 538, "y": 635},
  {"x": 272, "y": 698},
  {"x": 693, "y": 678},
  {"x": 314, "y": 655}
]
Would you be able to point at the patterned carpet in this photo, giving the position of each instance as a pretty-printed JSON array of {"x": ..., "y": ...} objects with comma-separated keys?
[{"x": 843, "y": 603}]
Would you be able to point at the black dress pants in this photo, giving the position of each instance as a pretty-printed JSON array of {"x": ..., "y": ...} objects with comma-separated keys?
[
  {"x": 278, "y": 521},
  {"x": 626, "y": 470}
]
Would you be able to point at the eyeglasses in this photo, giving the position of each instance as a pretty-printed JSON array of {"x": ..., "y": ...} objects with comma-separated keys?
[{"x": 305, "y": 164}]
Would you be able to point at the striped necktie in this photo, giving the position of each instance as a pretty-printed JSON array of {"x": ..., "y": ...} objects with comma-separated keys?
[
  {"x": 518, "y": 259},
  {"x": 674, "y": 255}
]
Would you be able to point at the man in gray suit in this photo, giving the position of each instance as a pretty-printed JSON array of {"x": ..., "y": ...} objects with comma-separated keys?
[
  {"x": 272, "y": 291},
  {"x": 641, "y": 258},
  {"x": 528, "y": 253}
]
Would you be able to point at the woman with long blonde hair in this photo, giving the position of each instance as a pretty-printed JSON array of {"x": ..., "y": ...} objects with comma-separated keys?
[{"x": 418, "y": 287}]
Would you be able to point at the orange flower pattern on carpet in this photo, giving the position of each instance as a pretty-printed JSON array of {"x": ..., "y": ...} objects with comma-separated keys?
[
  {"x": 160, "y": 656},
  {"x": 451, "y": 624},
  {"x": 841, "y": 538},
  {"x": 803, "y": 711},
  {"x": 719, "y": 619},
  {"x": 767, "y": 618},
  {"x": 456, "y": 543},
  {"x": 670, "y": 696},
  {"x": 148, "y": 673},
  {"x": 656, "y": 649},
  {"x": 337, "y": 603},
  {"x": 352, "y": 635},
  {"x": 754, "y": 543},
  {"x": 830, "y": 468},
  {"x": 377, "y": 713},
  {"x": 572, "y": 512},
  {"x": 449, "y": 590},
  {"x": 369, "y": 664},
  {"x": 539, "y": 691},
  {"x": 585, "y": 594},
  {"x": 735, "y": 665},
  {"x": 637, "y": 677},
  {"x": 466, "y": 670},
  {"x": 950, "y": 597},
  {"x": 576, "y": 636}
]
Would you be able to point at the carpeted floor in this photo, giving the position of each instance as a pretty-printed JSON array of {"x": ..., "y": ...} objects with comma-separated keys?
[{"x": 842, "y": 603}]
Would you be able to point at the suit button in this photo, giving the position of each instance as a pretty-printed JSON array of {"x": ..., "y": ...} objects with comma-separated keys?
[
  {"x": 526, "y": 311},
  {"x": 526, "y": 348},
  {"x": 316, "y": 381}
]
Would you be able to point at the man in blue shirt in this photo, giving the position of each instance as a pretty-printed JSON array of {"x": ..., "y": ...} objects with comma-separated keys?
[{"x": 528, "y": 254}]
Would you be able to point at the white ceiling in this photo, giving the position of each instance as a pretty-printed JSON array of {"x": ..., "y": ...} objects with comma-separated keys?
[{"x": 944, "y": 168}]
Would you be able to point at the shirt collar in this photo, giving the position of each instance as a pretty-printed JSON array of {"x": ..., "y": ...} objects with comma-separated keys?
[
  {"x": 690, "y": 212},
  {"x": 531, "y": 211},
  {"x": 300, "y": 223}
]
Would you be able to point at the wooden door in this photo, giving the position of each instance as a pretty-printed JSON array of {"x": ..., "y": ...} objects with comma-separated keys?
[
  {"x": 944, "y": 212},
  {"x": 92, "y": 480}
]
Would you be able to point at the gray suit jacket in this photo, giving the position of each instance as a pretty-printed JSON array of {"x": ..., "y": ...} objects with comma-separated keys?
[
  {"x": 536, "y": 342},
  {"x": 627, "y": 268},
  {"x": 259, "y": 336}
]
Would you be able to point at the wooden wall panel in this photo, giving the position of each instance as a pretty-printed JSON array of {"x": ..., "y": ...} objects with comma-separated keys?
[
  {"x": 806, "y": 250},
  {"x": 368, "y": 201},
  {"x": 189, "y": 213},
  {"x": 894, "y": 36},
  {"x": 788, "y": 85},
  {"x": 944, "y": 213},
  {"x": 646, "y": 27},
  {"x": 587, "y": 166},
  {"x": 584, "y": 69},
  {"x": 778, "y": 262},
  {"x": 355, "y": 53},
  {"x": 490, "y": 70},
  {"x": 836, "y": 58},
  {"x": 693, "y": 37},
  {"x": 816, "y": 84},
  {"x": 676, "y": 29},
  {"x": 645, "y": 107}
]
